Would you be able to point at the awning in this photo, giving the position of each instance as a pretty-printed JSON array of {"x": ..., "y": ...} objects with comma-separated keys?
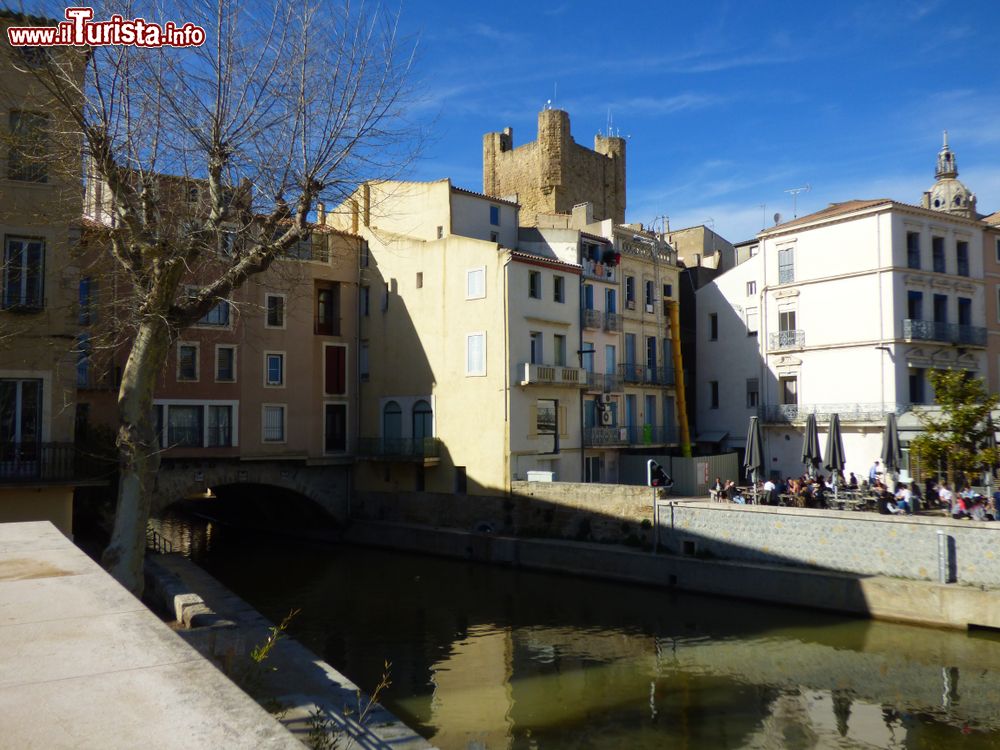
[{"x": 712, "y": 436}]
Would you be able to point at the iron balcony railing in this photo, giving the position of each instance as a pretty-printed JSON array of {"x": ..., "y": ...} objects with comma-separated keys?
[
  {"x": 872, "y": 412},
  {"x": 612, "y": 322},
  {"x": 592, "y": 318},
  {"x": 533, "y": 373},
  {"x": 634, "y": 435},
  {"x": 49, "y": 462},
  {"x": 640, "y": 374},
  {"x": 599, "y": 271},
  {"x": 604, "y": 382},
  {"x": 429, "y": 447},
  {"x": 786, "y": 340},
  {"x": 953, "y": 333}
]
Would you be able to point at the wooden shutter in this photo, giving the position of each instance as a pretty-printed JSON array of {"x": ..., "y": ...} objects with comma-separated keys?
[{"x": 336, "y": 370}]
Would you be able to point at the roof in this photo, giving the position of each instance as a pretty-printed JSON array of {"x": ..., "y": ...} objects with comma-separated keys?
[
  {"x": 595, "y": 238},
  {"x": 993, "y": 218},
  {"x": 492, "y": 198},
  {"x": 831, "y": 211},
  {"x": 541, "y": 260}
]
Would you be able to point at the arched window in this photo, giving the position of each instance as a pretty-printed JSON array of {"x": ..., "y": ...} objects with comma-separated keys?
[
  {"x": 392, "y": 421},
  {"x": 423, "y": 420}
]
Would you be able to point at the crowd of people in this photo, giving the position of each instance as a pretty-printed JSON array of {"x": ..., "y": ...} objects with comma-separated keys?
[{"x": 888, "y": 498}]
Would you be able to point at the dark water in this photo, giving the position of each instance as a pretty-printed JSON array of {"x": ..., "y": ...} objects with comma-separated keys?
[{"x": 490, "y": 657}]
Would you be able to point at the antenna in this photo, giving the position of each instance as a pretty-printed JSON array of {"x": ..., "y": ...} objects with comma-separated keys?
[{"x": 795, "y": 195}]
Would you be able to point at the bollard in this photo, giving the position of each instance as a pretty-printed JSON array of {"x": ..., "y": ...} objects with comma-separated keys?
[{"x": 944, "y": 558}]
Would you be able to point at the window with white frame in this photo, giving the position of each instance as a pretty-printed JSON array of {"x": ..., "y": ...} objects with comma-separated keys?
[
  {"x": 185, "y": 425},
  {"x": 558, "y": 288},
  {"x": 225, "y": 363},
  {"x": 274, "y": 369},
  {"x": 751, "y": 288},
  {"x": 475, "y": 353},
  {"x": 23, "y": 271},
  {"x": 218, "y": 316},
  {"x": 27, "y": 147},
  {"x": 559, "y": 349},
  {"x": 752, "y": 324},
  {"x": 475, "y": 283},
  {"x": 535, "y": 284},
  {"x": 187, "y": 361},
  {"x": 273, "y": 423},
  {"x": 220, "y": 425},
  {"x": 274, "y": 310}
]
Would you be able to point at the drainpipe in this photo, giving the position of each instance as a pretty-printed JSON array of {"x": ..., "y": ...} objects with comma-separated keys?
[{"x": 675, "y": 346}]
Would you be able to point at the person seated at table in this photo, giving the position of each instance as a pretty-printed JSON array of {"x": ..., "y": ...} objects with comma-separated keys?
[
  {"x": 715, "y": 489},
  {"x": 852, "y": 483},
  {"x": 916, "y": 499},
  {"x": 886, "y": 506},
  {"x": 930, "y": 492},
  {"x": 903, "y": 497},
  {"x": 944, "y": 496},
  {"x": 770, "y": 492},
  {"x": 977, "y": 508},
  {"x": 958, "y": 508}
]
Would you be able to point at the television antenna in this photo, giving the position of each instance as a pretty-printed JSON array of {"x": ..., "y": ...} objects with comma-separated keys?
[{"x": 795, "y": 195}]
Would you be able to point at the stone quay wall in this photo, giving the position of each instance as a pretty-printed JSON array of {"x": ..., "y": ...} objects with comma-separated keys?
[{"x": 849, "y": 541}]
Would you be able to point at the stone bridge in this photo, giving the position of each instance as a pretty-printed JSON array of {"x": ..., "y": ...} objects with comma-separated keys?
[{"x": 327, "y": 486}]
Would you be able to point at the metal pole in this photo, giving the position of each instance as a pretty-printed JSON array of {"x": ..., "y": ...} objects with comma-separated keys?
[
  {"x": 656, "y": 523},
  {"x": 943, "y": 566}
]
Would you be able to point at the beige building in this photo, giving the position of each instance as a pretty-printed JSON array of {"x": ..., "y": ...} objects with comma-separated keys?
[
  {"x": 701, "y": 246},
  {"x": 991, "y": 272},
  {"x": 469, "y": 374},
  {"x": 39, "y": 210}
]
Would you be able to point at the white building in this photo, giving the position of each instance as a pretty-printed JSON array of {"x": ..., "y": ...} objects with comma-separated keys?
[{"x": 843, "y": 311}]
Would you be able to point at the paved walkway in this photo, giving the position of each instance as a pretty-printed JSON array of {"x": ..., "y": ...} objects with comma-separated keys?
[{"x": 84, "y": 664}]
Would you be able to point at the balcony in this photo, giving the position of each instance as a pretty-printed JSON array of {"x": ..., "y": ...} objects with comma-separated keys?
[
  {"x": 600, "y": 382},
  {"x": 612, "y": 322},
  {"x": 786, "y": 340},
  {"x": 57, "y": 463},
  {"x": 599, "y": 271},
  {"x": 636, "y": 435},
  {"x": 873, "y": 413},
  {"x": 560, "y": 375},
  {"x": 637, "y": 374},
  {"x": 593, "y": 319},
  {"x": 412, "y": 450},
  {"x": 952, "y": 333}
]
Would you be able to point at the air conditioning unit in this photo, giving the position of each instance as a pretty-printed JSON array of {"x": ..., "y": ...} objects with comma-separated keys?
[
  {"x": 607, "y": 418},
  {"x": 630, "y": 304},
  {"x": 649, "y": 307},
  {"x": 606, "y": 398}
]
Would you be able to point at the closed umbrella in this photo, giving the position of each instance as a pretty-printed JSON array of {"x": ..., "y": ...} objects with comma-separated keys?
[
  {"x": 754, "y": 461},
  {"x": 835, "y": 451},
  {"x": 991, "y": 443},
  {"x": 811, "y": 456},
  {"x": 891, "y": 454}
]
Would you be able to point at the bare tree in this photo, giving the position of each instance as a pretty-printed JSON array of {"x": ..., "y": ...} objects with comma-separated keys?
[{"x": 283, "y": 106}]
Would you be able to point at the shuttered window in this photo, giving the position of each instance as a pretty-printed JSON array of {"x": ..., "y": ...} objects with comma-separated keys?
[{"x": 336, "y": 370}]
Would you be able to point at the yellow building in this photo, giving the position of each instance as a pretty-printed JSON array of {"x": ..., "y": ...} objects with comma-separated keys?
[{"x": 39, "y": 209}]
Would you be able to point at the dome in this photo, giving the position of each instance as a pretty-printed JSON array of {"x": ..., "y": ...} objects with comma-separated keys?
[{"x": 949, "y": 194}]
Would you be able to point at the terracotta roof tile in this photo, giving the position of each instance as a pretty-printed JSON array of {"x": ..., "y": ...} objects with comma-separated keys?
[
  {"x": 493, "y": 198},
  {"x": 835, "y": 209}
]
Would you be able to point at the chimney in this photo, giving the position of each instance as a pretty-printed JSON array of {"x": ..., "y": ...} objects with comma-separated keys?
[{"x": 320, "y": 212}]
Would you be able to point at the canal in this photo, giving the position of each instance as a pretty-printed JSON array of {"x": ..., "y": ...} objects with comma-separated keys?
[{"x": 484, "y": 657}]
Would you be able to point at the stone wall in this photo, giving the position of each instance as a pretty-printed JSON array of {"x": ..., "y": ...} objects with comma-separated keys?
[
  {"x": 554, "y": 173},
  {"x": 855, "y": 542},
  {"x": 556, "y": 510}
]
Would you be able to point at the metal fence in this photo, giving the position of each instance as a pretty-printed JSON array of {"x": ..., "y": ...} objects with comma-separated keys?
[{"x": 930, "y": 330}]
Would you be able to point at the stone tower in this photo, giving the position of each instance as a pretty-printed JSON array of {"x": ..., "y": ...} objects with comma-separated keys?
[
  {"x": 554, "y": 173},
  {"x": 948, "y": 194}
]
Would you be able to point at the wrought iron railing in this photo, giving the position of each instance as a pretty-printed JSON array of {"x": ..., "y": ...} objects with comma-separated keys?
[
  {"x": 953, "y": 333},
  {"x": 429, "y": 447},
  {"x": 612, "y": 322},
  {"x": 49, "y": 462},
  {"x": 604, "y": 382},
  {"x": 786, "y": 340},
  {"x": 639, "y": 373},
  {"x": 646, "y": 434},
  {"x": 592, "y": 318},
  {"x": 871, "y": 412}
]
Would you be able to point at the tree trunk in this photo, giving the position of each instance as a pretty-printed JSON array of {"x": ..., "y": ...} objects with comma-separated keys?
[{"x": 138, "y": 454}]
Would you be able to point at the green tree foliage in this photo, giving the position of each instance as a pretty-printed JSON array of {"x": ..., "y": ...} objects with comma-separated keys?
[{"x": 957, "y": 437}]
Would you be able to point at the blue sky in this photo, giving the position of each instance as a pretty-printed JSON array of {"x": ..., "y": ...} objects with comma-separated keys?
[{"x": 726, "y": 104}]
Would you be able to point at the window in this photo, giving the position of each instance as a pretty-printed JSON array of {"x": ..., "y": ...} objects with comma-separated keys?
[
  {"x": 227, "y": 242},
  {"x": 225, "y": 364},
  {"x": 193, "y": 194},
  {"x": 535, "y": 284},
  {"x": 786, "y": 321},
  {"x": 275, "y": 309},
  {"x": 998, "y": 250},
  {"x": 964, "y": 311},
  {"x": 27, "y": 148},
  {"x": 536, "y": 348},
  {"x": 328, "y": 310},
  {"x": 272, "y": 423},
  {"x": 21, "y": 422},
  {"x": 913, "y": 249},
  {"x": 753, "y": 393},
  {"x": 917, "y": 386},
  {"x": 713, "y": 326},
  {"x": 588, "y": 354},
  {"x": 610, "y": 300},
  {"x": 558, "y": 288},
  {"x": 363, "y": 361},
  {"x": 23, "y": 272},
  {"x": 83, "y": 350},
  {"x": 495, "y": 237},
  {"x": 364, "y": 300},
  {"x": 940, "y": 308},
  {"x": 962, "y": 254},
  {"x": 786, "y": 265},
  {"x": 546, "y": 424},
  {"x": 751, "y": 288},
  {"x": 187, "y": 362},
  {"x": 752, "y": 321},
  {"x": 364, "y": 257},
  {"x": 588, "y": 296},
  {"x": 495, "y": 216},
  {"x": 937, "y": 253},
  {"x": 559, "y": 349},
  {"x": 651, "y": 355},
  {"x": 649, "y": 296},
  {"x": 220, "y": 425},
  {"x": 475, "y": 283},
  {"x": 184, "y": 426},
  {"x": 668, "y": 291},
  {"x": 440, "y": 232},
  {"x": 420, "y": 279},
  {"x": 788, "y": 388},
  {"x": 274, "y": 369},
  {"x": 392, "y": 422},
  {"x": 475, "y": 354},
  {"x": 335, "y": 370},
  {"x": 593, "y": 466},
  {"x": 461, "y": 481},
  {"x": 423, "y": 420},
  {"x": 334, "y": 428},
  {"x": 217, "y": 316},
  {"x": 630, "y": 292},
  {"x": 915, "y": 305},
  {"x": 713, "y": 394},
  {"x": 87, "y": 312}
]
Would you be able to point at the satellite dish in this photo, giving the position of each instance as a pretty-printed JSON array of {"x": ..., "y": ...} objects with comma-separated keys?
[{"x": 777, "y": 219}]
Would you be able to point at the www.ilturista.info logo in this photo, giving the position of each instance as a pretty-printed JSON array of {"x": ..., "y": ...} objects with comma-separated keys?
[{"x": 78, "y": 30}]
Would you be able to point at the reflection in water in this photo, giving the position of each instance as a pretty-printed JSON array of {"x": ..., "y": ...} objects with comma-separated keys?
[{"x": 489, "y": 657}]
